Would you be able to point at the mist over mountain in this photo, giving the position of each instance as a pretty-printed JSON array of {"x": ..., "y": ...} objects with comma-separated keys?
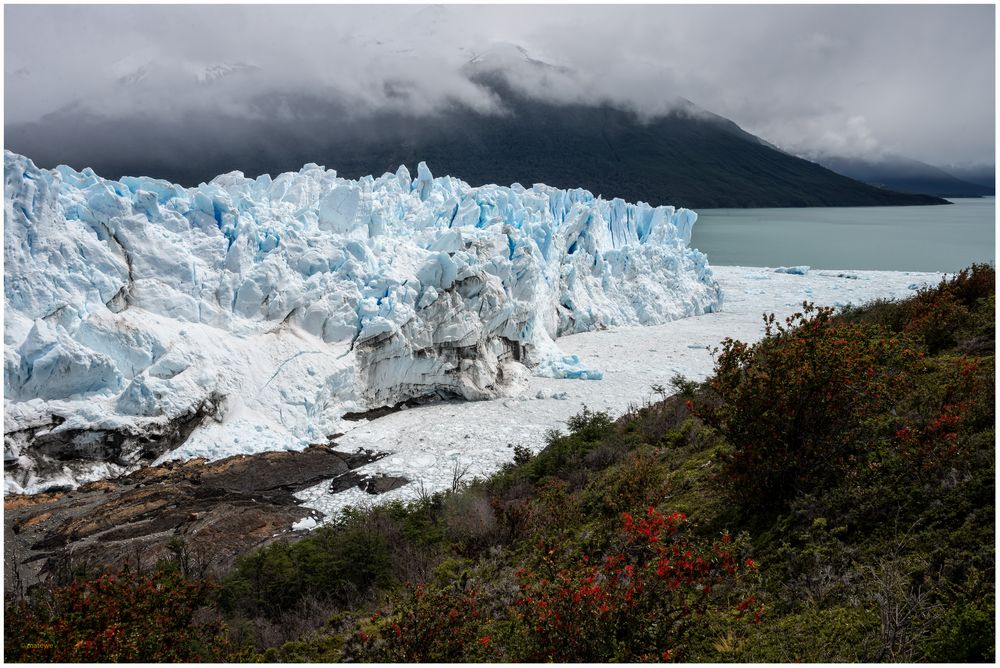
[
  {"x": 838, "y": 80},
  {"x": 906, "y": 175},
  {"x": 686, "y": 156},
  {"x": 979, "y": 174},
  {"x": 266, "y": 88}
]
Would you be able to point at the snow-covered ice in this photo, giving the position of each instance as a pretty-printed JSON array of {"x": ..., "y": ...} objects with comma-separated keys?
[
  {"x": 257, "y": 312},
  {"x": 478, "y": 437}
]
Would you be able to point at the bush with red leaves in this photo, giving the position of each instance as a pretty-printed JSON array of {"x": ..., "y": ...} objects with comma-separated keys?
[{"x": 116, "y": 619}]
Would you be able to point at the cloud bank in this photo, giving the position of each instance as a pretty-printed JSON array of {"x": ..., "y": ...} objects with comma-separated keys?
[{"x": 846, "y": 80}]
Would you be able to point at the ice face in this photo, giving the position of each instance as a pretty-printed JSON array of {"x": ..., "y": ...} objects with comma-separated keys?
[{"x": 299, "y": 298}]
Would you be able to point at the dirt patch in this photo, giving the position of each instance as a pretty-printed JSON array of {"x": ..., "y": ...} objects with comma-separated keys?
[
  {"x": 37, "y": 519},
  {"x": 22, "y": 501}
]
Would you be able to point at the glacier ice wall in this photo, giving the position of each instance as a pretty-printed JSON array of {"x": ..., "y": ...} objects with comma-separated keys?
[{"x": 260, "y": 311}]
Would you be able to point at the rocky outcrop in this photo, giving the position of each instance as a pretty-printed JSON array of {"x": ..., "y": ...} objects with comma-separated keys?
[{"x": 204, "y": 513}]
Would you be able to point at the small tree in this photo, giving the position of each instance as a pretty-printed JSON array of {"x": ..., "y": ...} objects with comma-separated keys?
[{"x": 796, "y": 406}]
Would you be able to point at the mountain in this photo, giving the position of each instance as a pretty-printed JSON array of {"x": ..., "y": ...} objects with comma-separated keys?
[
  {"x": 906, "y": 175},
  {"x": 686, "y": 156},
  {"x": 981, "y": 175}
]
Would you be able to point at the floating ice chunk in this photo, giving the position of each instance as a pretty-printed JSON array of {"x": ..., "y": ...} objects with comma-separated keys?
[
  {"x": 566, "y": 366},
  {"x": 544, "y": 394},
  {"x": 304, "y": 524},
  {"x": 800, "y": 270}
]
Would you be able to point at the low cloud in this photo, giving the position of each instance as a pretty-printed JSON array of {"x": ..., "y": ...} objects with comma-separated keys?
[{"x": 857, "y": 80}]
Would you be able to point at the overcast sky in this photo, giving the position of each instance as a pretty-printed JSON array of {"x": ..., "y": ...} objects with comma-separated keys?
[{"x": 846, "y": 80}]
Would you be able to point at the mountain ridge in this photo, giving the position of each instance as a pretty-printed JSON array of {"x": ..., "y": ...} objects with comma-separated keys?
[
  {"x": 904, "y": 174},
  {"x": 687, "y": 156}
]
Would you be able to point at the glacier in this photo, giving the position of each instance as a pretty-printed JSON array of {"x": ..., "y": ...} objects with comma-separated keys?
[{"x": 254, "y": 314}]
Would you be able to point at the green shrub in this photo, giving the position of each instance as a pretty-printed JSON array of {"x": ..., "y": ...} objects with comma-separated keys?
[
  {"x": 340, "y": 564},
  {"x": 640, "y": 476},
  {"x": 936, "y": 318},
  {"x": 430, "y": 625},
  {"x": 683, "y": 386},
  {"x": 828, "y": 635},
  {"x": 588, "y": 429},
  {"x": 957, "y": 309},
  {"x": 590, "y": 425},
  {"x": 966, "y": 635}
]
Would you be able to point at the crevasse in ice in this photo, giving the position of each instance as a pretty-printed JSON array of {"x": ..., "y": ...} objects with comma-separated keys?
[{"x": 137, "y": 308}]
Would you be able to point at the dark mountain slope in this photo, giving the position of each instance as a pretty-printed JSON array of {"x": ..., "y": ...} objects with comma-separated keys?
[
  {"x": 687, "y": 158},
  {"x": 981, "y": 175},
  {"x": 906, "y": 175}
]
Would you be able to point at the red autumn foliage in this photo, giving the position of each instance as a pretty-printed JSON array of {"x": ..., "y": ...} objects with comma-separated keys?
[
  {"x": 633, "y": 605},
  {"x": 117, "y": 619},
  {"x": 637, "y": 602},
  {"x": 797, "y": 405}
]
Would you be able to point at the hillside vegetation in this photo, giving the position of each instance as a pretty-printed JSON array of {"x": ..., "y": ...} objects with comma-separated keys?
[{"x": 828, "y": 495}]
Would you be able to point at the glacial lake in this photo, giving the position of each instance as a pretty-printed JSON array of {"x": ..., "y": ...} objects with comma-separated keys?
[{"x": 897, "y": 238}]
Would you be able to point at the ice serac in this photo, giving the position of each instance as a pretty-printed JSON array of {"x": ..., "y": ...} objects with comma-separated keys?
[{"x": 252, "y": 314}]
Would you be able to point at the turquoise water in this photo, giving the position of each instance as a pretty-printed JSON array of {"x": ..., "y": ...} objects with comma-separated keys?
[{"x": 899, "y": 238}]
